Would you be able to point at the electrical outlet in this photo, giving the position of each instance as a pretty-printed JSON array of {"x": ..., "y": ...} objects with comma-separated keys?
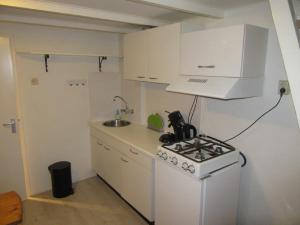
[{"x": 284, "y": 84}]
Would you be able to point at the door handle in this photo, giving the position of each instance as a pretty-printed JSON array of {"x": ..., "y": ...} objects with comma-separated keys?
[
  {"x": 12, "y": 125},
  {"x": 209, "y": 66}
]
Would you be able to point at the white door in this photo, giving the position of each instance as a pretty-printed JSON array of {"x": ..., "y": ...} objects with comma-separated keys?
[
  {"x": 11, "y": 163},
  {"x": 163, "y": 59},
  {"x": 136, "y": 186},
  {"x": 136, "y": 55}
]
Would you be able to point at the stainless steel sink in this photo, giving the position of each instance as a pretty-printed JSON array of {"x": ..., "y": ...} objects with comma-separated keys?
[{"x": 116, "y": 123}]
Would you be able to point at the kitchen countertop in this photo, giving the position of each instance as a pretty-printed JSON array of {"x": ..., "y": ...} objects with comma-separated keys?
[{"x": 136, "y": 135}]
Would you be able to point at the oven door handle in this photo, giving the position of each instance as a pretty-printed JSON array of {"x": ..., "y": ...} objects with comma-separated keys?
[{"x": 206, "y": 176}]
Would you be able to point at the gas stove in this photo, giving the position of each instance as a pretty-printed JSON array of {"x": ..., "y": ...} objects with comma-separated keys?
[{"x": 199, "y": 156}]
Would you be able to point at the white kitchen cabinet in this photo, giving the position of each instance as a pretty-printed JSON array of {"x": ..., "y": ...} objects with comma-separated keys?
[
  {"x": 105, "y": 161},
  {"x": 152, "y": 55},
  {"x": 135, "y": 55},
  {"x": 235, "y": 51},
  {"x": 111, "y": 167},
  {"x": 97, "y": 146},
  {"x": 126, "y": 169},
  {"x": 137, "y": 186}
]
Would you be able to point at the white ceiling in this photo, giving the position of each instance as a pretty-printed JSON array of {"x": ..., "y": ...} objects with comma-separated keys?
[
  {"x": 132, "y": 11},
  {"x": 227, "y": 4}
]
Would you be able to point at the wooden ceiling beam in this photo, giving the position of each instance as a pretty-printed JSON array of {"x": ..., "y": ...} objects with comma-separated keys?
[
  {"x": 63, "y": 23},
  {"x": 75, "y": 10},
  {"x": 186, "y": 6}
]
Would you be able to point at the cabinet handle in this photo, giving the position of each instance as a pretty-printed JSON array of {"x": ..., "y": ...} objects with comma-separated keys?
[
  {"x": 98, "y": 143},
  {"x": 133, "y": 152},
  {"x": 141, "y": 77},
  {"x": 209, "y": 66},
  {"x": 108, "y": 149},
  {"x": 124, "y": 160},
  {"x": 153, "y": 78}
]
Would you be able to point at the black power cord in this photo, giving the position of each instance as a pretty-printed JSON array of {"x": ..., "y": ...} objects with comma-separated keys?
[
  {"x": 193, "y": 109},
  {"x": 282, "y": 91}
]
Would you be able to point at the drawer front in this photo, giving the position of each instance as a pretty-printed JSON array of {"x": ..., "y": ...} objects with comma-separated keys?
[
  {"x": 130, "y": 151},
  {"x": 109, "y": 140},
  {"x": 138, "y": 156}
]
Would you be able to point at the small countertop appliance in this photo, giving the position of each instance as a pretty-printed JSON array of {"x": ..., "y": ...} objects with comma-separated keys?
[{"x": 182, "y": 130}]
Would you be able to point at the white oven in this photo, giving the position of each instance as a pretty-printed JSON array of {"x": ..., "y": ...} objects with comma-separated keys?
[{"x": 184, "y": 197}]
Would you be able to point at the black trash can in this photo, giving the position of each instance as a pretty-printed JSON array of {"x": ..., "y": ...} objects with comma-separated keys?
[{"x": 61, "y": 179}]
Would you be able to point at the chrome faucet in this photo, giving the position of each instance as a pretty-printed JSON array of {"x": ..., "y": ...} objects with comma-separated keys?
[{"x": 126, "y": 110}]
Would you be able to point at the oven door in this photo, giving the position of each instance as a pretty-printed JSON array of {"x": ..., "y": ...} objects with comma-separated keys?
[
  {"x": 181, "y": 199},
  {"x": 177, "y": 196}
]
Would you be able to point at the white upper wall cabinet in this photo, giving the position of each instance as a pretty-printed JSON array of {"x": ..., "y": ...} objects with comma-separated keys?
[
  {"x": 135, "y": 55},
  {"x": 153, "y": 55},
  {"x": 236, "y": 51}
]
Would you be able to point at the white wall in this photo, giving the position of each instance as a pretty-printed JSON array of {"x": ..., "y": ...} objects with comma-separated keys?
[
  {"x": 55, "y": 115},
  {"x": 270, "y": 182},
  {"x": 157, "y": 100}
]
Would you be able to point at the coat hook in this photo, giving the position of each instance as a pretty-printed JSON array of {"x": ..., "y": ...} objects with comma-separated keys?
[
  {"x": 101, "y": 58},
  {"x": 46, "y": 57}
]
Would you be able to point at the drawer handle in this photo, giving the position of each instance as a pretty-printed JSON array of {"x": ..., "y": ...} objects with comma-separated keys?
[
  {"x": 133, "y": 152},
  {"x": 153, "y": 78},
  {"x": 124, "y": 160},
  {"x": 98, "y": 143},
  {"x": 209, "y": 66},
  {"x": 108, "y": 149},
  {"x": 141, "y": 77}
]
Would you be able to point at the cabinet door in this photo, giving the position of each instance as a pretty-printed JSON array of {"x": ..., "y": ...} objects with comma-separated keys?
[
  {"x": 97, "y": 155},
  {"x": 215, "y": 52},
  {"x": 136, "y": 186},
  {"x": 135, "y": 56},
  {"x": 111, "y": 167},
  {"x": 163, "y": 60}
]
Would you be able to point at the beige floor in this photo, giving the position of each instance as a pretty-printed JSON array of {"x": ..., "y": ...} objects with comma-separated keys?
[{"x": 93, "y": 203}]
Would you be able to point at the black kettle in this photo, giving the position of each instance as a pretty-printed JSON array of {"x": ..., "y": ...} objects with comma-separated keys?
[{"x": 189, "y": 131}]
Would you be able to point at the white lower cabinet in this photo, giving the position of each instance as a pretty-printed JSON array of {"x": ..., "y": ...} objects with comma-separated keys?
[
  {"x": 105, "y": 161},
  {"x": 137, "y": 185},
  {"x": 127, "y": 170}
]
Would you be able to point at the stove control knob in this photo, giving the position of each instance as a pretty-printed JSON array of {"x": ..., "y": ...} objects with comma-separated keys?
[
  {"x": 185, "y": 166},
  {"x": 164, "y": 156},
  {"x": 191, "y": 168},
  {"x": 174, "y": 160},
  {"x": 159, "y": 153}
]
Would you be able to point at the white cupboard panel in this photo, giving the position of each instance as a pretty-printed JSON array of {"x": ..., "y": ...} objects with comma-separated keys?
[
  {"x": 214, "y": 52},
  {"x": 135, "y": 55},
  {"x": 163, "y": 53},
  {"x": 137, "y": 186}
]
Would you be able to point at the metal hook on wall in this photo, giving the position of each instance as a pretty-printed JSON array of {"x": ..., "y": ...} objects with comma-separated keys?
[
  {"x": 46, "y": 57},
  {"x": 101, "y": 58}
]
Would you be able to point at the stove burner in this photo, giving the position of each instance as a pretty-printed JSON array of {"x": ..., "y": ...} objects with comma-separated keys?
[
  {"x": 198, "y": 155},
  {"x": 200, "y": 148},
  {"x": 197, "y": 144},
  {"x": 219, "y": 150},
  {"x": 178, "y": 147}
]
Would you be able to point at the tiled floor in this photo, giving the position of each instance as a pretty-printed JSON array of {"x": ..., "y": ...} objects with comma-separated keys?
[{"x": 93, "y": 203}]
